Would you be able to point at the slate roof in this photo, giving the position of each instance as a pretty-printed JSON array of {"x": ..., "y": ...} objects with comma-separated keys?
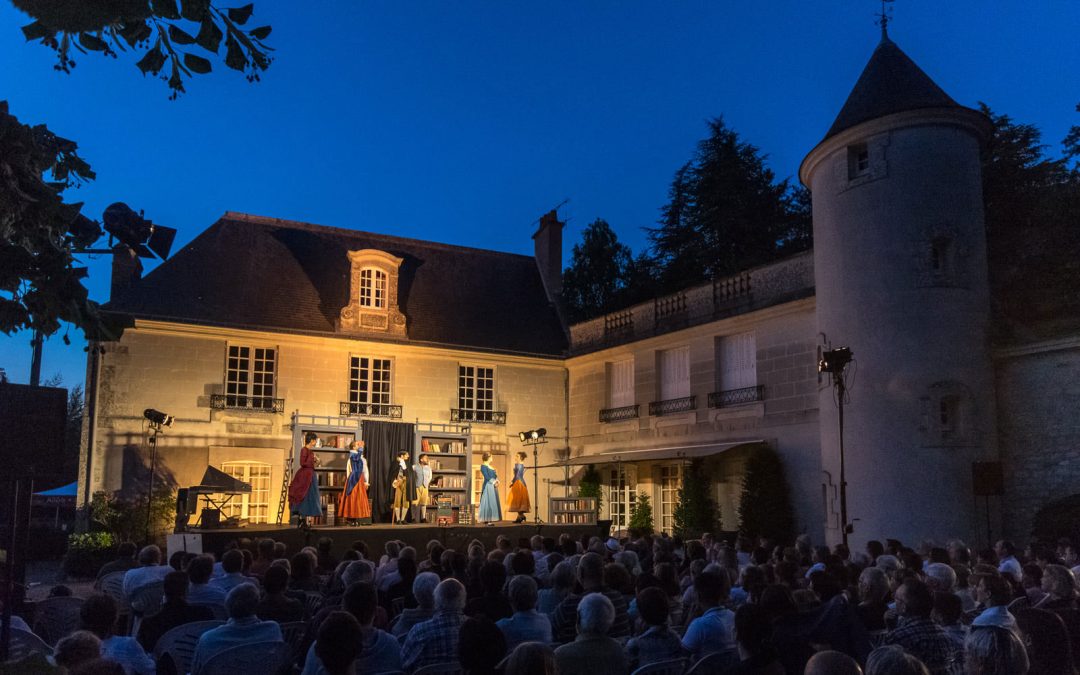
[
  {"x": 264, "y": 273},
  {"x": 890, "y": 83}
]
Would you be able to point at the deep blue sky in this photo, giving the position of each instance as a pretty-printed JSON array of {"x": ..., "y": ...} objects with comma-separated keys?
[{"x": 463, "y": 122}]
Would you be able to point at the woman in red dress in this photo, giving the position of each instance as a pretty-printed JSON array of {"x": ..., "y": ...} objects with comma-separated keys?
[
  {"x": 353, "y": 504},
  {"x": 304, "y": 488}
]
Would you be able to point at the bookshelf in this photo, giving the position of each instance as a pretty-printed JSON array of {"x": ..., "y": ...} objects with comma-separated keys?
[
  {"x": 449, "y": 451},
  {"x": 335, "y": 435},
  {"x": 572, "y": 510}
]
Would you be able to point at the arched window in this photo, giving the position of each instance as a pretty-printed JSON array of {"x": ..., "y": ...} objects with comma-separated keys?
[{"x": 372, "y": 288}]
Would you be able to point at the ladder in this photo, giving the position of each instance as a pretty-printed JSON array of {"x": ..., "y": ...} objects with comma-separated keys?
[{"x": 286, "y": 479}]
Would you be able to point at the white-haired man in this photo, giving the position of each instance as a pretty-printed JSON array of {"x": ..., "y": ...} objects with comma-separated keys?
[
  {"x": 592, "y": 652},
  {"x": 436, "y": 640}
]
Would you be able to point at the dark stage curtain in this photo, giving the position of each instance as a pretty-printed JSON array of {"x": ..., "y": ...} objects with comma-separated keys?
[{"x": 383, "y": 440}]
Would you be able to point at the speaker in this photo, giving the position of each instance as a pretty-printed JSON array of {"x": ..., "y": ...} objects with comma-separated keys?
[
  {"x": 32, "y": 423},
  {"x": 211, "y": 518},
  {"x": 988, "y": 479}
]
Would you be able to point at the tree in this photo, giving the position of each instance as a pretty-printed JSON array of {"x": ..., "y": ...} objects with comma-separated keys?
[
  {"x": 696, "y": 512},
  {"x": 595, "y": 283},
  {"x": 1033, "y": 242},
  {"x": 641, "y": 515},
  {"x": 73, "y": 431},
  {"x": 174, "y": 38},
  {"x": 765, "y": 502},
  {"x": 726, "y": 212}
]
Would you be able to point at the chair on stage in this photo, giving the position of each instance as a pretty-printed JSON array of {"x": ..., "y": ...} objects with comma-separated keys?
[
  {"x": 58, "y": 617},
  {"x": 668, "y": 667},
  {"x": 178, "y": 644},
  {"x": 272, "y": 658}
]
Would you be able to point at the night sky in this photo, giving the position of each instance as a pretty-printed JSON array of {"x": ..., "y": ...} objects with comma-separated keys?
[{"x": 463, "y": 122}]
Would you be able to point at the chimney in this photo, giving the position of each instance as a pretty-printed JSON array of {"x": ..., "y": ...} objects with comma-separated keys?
[
  {"x": 548, "y": 246},
  {"x": 126, "y": 270}
]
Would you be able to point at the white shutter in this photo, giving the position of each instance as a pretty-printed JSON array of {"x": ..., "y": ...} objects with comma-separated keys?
[
  {"x": 738, "y": 361},
  {"x": 674, "y": 373},
  {"x": 621, "y": 383}
]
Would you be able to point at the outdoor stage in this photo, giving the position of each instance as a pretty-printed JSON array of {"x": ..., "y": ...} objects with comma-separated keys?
[{"x": 375, "y": 536}]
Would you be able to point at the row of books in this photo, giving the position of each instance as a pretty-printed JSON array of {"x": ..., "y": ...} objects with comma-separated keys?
[
  {"x": 573, "y": 518},
  {"x": 449, "y": 481},
  {"x": 581, "y": 504},
  {"x": 432, "y": 446},
  {"x": 456, "y": 498}
]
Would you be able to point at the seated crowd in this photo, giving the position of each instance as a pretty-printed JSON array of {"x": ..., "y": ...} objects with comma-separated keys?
[{"x": 542, "y": 606}]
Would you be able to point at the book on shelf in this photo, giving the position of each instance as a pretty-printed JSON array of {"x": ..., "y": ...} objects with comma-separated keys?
[{"x": 433, "y": 446}]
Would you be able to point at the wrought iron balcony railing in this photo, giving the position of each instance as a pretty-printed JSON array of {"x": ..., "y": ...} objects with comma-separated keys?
[
  {"x": 352, "y": 409},
  {"x": 477, "y": 416},
  {"x": 252, "y": 403},
  {"x": 673, "y": 405},
  {"x": 626, "y": 412},
  {"x": 732, "y": 397}
]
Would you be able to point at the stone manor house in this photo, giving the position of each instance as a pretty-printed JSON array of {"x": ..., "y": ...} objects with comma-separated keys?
[{"x": 258, "y": 319}]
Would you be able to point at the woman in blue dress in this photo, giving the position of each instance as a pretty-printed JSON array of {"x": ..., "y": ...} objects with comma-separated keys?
[{"x": 490, "y": 511}]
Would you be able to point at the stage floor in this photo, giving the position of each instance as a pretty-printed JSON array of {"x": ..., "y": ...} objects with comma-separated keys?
[{"x": 375, "y": 536}]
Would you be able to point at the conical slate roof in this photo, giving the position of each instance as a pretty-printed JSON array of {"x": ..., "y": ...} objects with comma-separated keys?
[{"x": 890, "y": 83}]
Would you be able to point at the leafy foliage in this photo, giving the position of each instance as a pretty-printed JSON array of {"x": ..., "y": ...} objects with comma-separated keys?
[
  {"x": 589, "y": 486},
  {"x": 726, "y": 212},
  {"x": 696, "y": 512},
  {"x": 765, "y": 502},
  {"x": 1031, "y": 202},
  {"x": 641, "y": 515},
  {"x": 597, "y": 279},
  {"x": 87, "y": 552},
  {"x": 40, "y": 284},
  {"x": 169, "y": 35},
  {"x": 125, "y": 517}
]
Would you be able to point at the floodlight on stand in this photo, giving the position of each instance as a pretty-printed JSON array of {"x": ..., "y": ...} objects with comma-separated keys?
[
  {"x": 834, "y": 360},
  {"x": 158, "y": 418},
  {"x": 522, "y": 435},
  {"x": 137, "y": 233}
]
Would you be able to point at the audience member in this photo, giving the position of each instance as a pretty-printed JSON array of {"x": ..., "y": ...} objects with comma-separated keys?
[
  {"x": 481, "y": 646},
  {"x": 423, "y": 591},
  {"x": 917, "y": 634},
  {"x": 593, "y": 652},
  {"x": 893, "y": 660},
  {"x": 77, "y": 648},
  {"x": 831, "y": 662},
  {"x": 994, "y": 595},
  {"x": 1046, "y": 639},
  {"x": 492, "y": 603},
  {"x": 98, "y": 614},
  {"x": 275, "y": 605},
  {"x": 175, "y": 611},
  {"x": 379, "y": 651},
  {"x": 201, "y": 592},
  {"x": 526, "y": 624},
  {"x": 125, "y": 560},
  {"x": 657, "y": 642},
  {"x": 531, "y": 658},
  {"x": 436, "y": 640},
  {"x": 713, "y": 631},
  {"x": 590, "y": 574},
  {"x": 266, "y": 556},
  {"x": 243, "y": 627},
  {"x": 337, "y": 647},
  {"x": 562, "y": 583},
  {"x": 232, "y": 566},
  {"x": 755, "y": 654},
  {"x": 149, "y": 571},
  {"x": 994, "y": 651}
]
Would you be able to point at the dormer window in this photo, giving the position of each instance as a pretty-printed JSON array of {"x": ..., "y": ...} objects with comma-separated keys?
[
  {"x": 372, "y": 288},
  {"x": 858, "y": 160},
  {"x": 372, "y": 306}
]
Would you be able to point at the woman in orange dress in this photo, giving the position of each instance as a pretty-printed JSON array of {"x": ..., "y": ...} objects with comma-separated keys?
[
  {"x": 519, "y": 492},
  {"x": 353, "y": 504}
]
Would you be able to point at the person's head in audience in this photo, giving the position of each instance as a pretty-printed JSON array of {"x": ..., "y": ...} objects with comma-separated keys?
[
  {"x": 449, "y": 596},
  {"x": 358, "y": 570},
  {"x": 531, "y": 658},
  {"x": 98, "y": 666},
  {"x": 325, "y": 545},
  {"x": 914, "y": 600},
  {"x": 777, "y": 601},
  {"x": 338, "y": 643},
  {"x": 492, "y": 577},
  {"x": 60, "y": 591},
  {"x": 590, "y": 572},
  {"x": 481, "y": 646},
  {"x": 361, "y": 547},
  {"x": 873, "y": 585},
  {"x": 1059, "y": 582},
  {"x": 618, "y": 579},
  {"x": 178, "y": 560},
  {"x": 874, "y": 548},
  {"x": 940, "y": 577},
  {"x": 522, "y": 593},
  {"x": 562, "y": 577},
  {"x": 831, "y": 662},
  {"x": 668, "y": 577},
  {"x": 652, "y": 606},
  {"x": 232, "y": 561},
  {"x": 993, "y": 590},
  {"x": 893, "y": 660},
  {"x": 201, "y": 569},
  {"x": 241, "y": 601},
  {"x": 266, "y": 549},
  {"x": 302, "y": 567},
  {"x": 1047, "y": 642},
  {"x": 280, "y": 550},
  {"x": 362, "y": 601},
  {"x": 711, "y": 588},
  {"x": 276, "y": 580},
  {"x": 176, "y": 586},
  {"x": 98, "y": 614},
  {"x": 392, "y": 549},
  {"x": 126, "y": 551},
  {"x": 522, "y": 562},
  {"x": 753, "y": 630},
  {"x": 407, "y": 570},
  {"x": 77, "y": 648},
  {"x": 150, "y": 556},
  {"x": 423, "y": 589},
  {"x": 994, "y": 651},
  {"x": 596, "y": 615},
  {"x": 948, "y": 608}
]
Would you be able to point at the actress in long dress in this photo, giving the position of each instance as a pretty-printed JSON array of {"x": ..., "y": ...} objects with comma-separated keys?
[
  {"x": 518, "y": 501},
  {"x": 304, "y": 488},
  {"x": 490, "y": 511},
  {"x": 353, "y": 504}
]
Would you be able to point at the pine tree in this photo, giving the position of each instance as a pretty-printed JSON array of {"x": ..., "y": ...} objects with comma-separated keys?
[
  {"x": 641, "y": 515},
  {"x": 765, "y": 503},
  {"x": 696, "y": 512}
]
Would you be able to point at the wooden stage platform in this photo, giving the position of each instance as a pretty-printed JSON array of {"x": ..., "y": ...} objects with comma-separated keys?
[{"x": 375, "y": 536}]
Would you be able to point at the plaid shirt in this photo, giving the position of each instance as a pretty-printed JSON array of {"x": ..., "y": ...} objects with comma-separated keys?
[
  {"x": 432, "y": 641},
  {"x": 929, "y": 642}
]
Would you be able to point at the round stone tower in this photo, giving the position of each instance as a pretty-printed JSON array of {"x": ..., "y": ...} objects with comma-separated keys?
[{"x": 901, "y": 279}]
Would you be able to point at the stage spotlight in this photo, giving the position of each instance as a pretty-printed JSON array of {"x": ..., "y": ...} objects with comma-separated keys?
[
  {"x": 541, "y": 432},
  {"x": 136, "y": 232},
  {"x": 159, "y": 418},
  {"x": 834, "y": 360},
  {"x": 522, "y": 435}
]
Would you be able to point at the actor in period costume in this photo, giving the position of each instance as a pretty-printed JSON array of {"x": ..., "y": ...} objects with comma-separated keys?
[
  {"x": 490, "y": 511},
  {"x": 518, "y": 501},
  {"x": 304, "y": 488},
  {"x": 353, "y": 504},
  {"x": 423, "y": 482},
  {"x": 403, "y": 481}
]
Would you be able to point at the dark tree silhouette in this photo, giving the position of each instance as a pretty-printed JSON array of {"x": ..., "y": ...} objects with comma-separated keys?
[
  {"x": 696, "y": 512},
  {"x": 597, "y": 279},
  {"x": 765, "y": 502}
]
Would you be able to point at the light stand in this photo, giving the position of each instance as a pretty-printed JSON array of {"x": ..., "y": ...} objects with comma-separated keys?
[
  {"x": 156, "y": 420},
  {"x": 833, "y": 362},
  {"x": 535, "y": 437}
]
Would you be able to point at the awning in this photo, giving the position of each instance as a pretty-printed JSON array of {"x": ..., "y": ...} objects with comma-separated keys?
[
  {"x": 69, "y": 490},
  {"x": 669, "y": 452}
]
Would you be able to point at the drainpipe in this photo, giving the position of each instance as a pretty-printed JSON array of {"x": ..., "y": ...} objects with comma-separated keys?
[{"x": 91, "y": 415}]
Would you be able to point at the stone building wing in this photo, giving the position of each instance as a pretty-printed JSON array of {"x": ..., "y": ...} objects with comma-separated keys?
[
  {"x": 890, "y": 83},
  {"x": 270, "y": 274}
]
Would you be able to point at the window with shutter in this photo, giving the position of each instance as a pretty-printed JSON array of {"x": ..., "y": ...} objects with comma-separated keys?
[
  {"x": 674, "y": 373},
  {"x": 737, "y": 362},
  {"x": 621, "y": 383}
]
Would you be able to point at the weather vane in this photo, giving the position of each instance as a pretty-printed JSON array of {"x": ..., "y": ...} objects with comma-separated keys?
[{"x": 883, "y": 17}]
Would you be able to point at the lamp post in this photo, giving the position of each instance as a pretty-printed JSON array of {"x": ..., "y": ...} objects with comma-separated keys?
[{"x": 833, "y": 362}]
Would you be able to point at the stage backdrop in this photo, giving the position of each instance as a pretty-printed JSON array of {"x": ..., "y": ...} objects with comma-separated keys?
[{"x": 383, "y": 440}]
